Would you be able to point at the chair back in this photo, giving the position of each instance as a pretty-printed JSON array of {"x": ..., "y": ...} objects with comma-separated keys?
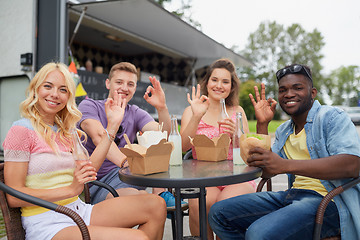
[{"x": 12, "y": 216}]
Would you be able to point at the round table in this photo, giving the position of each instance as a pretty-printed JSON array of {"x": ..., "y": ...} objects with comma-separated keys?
[{"x": 193, "y": 174}]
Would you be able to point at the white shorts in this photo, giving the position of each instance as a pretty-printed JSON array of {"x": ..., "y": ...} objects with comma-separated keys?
[{"x": 44, "y": 226}]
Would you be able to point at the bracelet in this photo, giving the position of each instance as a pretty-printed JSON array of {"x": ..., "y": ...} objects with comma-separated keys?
[
  {"x": 111, "y": 137},
  {"x": 123, "y": 163}
]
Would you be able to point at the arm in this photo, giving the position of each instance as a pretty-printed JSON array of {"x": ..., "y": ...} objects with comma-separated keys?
[
  {"x": 264, "y": 109},
  {"x": 189, "y": 125},
  {"x": 192, "y": 116},
  {"x": 158, "y": 100},
  {"x": 332, "y": 167},
  {"x": 95, "y": 130},
  {"x": 115, "y": 109},
  {"x": 15, "y": 176}
]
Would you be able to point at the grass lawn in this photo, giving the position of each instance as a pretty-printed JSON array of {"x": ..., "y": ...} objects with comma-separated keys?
[
  {"x": 272, "y": 126},
  {"x": 2, "y": 226}
]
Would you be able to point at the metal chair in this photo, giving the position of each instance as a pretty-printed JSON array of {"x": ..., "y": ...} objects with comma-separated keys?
[
  {"x": 100, "y": 184},
  {"x": 12, "y": 216},
  {"x": 322, "y": 206}
]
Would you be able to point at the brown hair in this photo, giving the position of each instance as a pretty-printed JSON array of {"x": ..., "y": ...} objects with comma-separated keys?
[
  {"x": 233, "y": 98},
  {"x": 123, "y": 66}
]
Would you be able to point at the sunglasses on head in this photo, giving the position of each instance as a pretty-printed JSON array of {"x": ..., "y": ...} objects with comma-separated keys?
[{"x": 293, "y": 69}]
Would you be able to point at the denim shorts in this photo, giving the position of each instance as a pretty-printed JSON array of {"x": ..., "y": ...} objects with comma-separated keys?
[
  {"x": 46, "y": 225},
  {"x": 98, "y": 194}
]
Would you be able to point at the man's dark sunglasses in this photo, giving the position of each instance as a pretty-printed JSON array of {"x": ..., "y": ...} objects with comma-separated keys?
[{"x": 293, "y": 69}]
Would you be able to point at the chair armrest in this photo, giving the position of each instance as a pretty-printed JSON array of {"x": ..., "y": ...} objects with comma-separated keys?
[
  {"x": 49, "y": 205},
  {"x": 188, "y": 155},
  {"x": 262, "y": 183},
  {"x": 100, "y": 184},
  {"x": 324, "y": 203},
  {"x": 106, "y": 186}
]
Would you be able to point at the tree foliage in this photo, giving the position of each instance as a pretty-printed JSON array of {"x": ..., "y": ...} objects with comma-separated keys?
[
  {"x": 343, "y": 85},
  {"x": 244, "y": 100},
  {"x": 183, "y": 11},
  {"x": 273, "y": 46}
]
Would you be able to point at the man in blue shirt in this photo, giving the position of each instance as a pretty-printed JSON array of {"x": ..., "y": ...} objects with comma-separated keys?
[{"x": 318, "y": 147}]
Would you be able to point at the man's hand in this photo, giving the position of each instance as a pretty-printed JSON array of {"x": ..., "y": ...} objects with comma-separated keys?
[
  {"x": 264, "y": 109},
  {"x": 199, "y": 104},
  {"x": 271, "y": 163},
  {"x": 157, "y": 98},
  {"x": 115, "y": 109}
]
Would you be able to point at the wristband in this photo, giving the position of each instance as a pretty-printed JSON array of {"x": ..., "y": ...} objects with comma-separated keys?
[
  {"x": 111, "y": 137},
  {"x": 123, "y": 163}
]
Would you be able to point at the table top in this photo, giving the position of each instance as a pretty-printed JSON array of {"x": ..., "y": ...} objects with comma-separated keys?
[{"x": 194, "y": 173}]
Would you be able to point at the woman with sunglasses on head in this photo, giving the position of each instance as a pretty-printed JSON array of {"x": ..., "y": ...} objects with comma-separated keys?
[
  {"x": 39, "y": 161},
  {"x": 201, "y": 117}
]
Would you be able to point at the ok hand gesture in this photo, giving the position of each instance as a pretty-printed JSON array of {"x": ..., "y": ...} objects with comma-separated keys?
[
  {"x": 199, "y": 104},
  {"x": 264, "y": 109},
  {"x": 157, "y": 98}
]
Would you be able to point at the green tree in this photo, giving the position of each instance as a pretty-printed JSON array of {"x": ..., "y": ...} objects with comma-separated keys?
[
  {"x": 273, "y": 46},
  {"x": 183, "y": 11},
  {"x": 343, "y": 85},
  {"x": 244, "y": 100}
]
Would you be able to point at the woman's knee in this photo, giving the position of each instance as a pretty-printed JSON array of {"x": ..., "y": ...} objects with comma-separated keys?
[{"x": 155, "y": 204}]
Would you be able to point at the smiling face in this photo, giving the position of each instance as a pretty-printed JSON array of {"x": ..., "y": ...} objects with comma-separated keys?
[
  {"x": 219, "y": 84},
  {"x": 123, "y": 82},
  {"x": 53, "y": 95},
  {"x": 296, "y": 95}
]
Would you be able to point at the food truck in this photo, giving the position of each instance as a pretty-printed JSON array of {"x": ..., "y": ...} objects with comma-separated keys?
[{"x": 156, "y": 41}]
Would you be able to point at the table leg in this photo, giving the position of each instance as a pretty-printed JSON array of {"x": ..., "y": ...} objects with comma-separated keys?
[
  {"x": 202, "y": 214},
  {"x": 178, "y": 215}
]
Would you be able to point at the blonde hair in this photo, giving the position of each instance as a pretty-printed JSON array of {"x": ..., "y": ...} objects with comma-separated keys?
[{"x": 65, "y": 119}]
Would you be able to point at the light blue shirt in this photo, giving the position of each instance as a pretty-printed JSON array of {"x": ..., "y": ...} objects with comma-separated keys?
[{"x": 329, "y": 131}]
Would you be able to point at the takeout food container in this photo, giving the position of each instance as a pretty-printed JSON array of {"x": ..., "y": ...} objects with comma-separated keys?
[
  {"x": 215, "y": 149},
  {"x": 252, "y": 140},
  {"x": 149, "y": 138},
  {"x": 149, "y": 160}
]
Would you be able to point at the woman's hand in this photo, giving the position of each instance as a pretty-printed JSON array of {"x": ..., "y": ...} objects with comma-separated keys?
[
  {"x": 115, "y": 109},
  {"x": 199, "y": 104},
  {"x": 264, "y": 109},
  {"x": 84, "y": 172},
  {"x": 227, "y": 126},
  {"x": 157, "y": 98}
]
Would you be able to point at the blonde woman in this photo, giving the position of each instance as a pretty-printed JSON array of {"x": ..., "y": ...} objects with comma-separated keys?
[
  {"x": 201, "y": 117},
  {"x": 38, "y": 161}
]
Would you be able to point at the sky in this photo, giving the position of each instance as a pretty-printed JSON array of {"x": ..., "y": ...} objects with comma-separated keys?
[{"x": 230, "y": 22}]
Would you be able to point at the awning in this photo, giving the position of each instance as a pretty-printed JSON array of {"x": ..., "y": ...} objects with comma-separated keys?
[{"x": 148, "y": 25}]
